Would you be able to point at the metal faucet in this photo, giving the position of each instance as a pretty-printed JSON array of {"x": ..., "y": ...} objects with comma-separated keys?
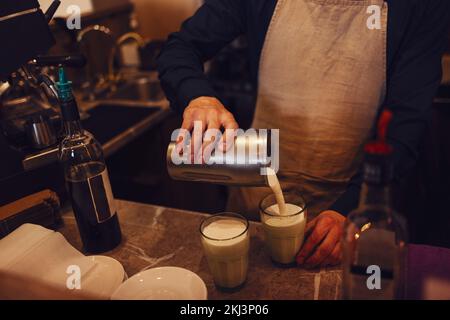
[
  {"x": 110, "y": 81},
  {"x": 122, "y": 39},
  {"x": 102, "y": 83},
  {"x": 97, "y": 28}
]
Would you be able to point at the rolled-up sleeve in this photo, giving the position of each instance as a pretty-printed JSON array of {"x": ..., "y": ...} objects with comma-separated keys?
[{"x": 181, "y": 61}]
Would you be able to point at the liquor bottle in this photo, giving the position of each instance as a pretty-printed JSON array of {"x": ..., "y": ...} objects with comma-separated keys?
[
  {"x": 374, "y": 237},
  {"x": 86, "y": 177}
]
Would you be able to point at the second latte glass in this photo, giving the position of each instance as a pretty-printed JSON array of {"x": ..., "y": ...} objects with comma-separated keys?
[{"x": 284, "y": 234}]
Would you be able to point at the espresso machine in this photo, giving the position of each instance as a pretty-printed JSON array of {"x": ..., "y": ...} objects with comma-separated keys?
[{"x": 29, "y": 115}]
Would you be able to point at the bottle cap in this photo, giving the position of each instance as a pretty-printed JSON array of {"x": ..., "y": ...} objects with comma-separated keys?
[
  {"x": 69, "y": 107},
  {"x": 378, "y": 166},
  {"x": 380, "y": 146},
  {"x": 63, "y": 86}
]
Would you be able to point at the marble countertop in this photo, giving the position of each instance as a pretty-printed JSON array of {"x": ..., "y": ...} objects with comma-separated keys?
[{"x": 156, "y": 236}]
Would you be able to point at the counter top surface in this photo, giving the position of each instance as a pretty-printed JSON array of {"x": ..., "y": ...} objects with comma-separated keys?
[{"x": 156, "y": 236}]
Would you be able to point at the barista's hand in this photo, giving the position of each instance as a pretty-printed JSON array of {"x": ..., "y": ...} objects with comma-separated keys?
[
  {"x": 212, "y": 115},
  {"x": 322, "y": 245}
]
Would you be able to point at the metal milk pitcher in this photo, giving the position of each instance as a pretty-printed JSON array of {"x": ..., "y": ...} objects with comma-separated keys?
[{"x": 244, "y": 164}]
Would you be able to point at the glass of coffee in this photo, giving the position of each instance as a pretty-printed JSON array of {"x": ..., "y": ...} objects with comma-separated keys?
[
  {"x": 284, "y": 233},
  {"x": 225, "y": 239}
]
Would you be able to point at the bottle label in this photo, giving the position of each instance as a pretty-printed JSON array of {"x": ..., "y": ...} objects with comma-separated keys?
[{"x": 102, "y": 196}]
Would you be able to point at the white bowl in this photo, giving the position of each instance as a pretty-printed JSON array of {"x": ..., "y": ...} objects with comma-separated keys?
[
  {"x": 102, "y": 280},
  {"x": 165, "y": 283}
]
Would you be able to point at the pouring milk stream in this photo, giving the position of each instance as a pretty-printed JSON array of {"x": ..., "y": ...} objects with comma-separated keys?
[{"x": 274, "y": 184}]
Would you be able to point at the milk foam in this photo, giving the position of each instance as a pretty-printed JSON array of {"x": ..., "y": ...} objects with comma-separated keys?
[
  {"x": 291, "y": 209},
  {"x": 224, "y": 229}
]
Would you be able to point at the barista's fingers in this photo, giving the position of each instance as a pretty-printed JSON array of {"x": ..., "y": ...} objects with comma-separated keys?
[
  {"x": 196, "y": 141},
  {"x": 210, "y": 138},
  {"x": 319, "y": 232},
  {"x": 324, "y": 249},
  {"x": 335, "y": 257},
  {"x": 310, "y": 226},
  {"x": 188, "y": 122},
  {"x": 186, "y": 128},
  {"x": 230, "y": 126},
  {"x": 228, "y": 121},
  {"x": 213, "y": 123},
  {"x": 308, "y": 231}
]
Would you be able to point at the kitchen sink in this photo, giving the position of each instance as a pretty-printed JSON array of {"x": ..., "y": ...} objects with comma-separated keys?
[
  {"x": 108, "y": 121},
  {"x": 141, "y": 89}
]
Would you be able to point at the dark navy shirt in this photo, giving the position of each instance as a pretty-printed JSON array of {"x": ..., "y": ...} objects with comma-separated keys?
[{"x": 417, "y": 37}]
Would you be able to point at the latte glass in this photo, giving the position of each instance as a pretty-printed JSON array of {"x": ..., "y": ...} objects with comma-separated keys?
[
  {"x": 284, "y": 234},
  {"x": 225, "y": 240}
]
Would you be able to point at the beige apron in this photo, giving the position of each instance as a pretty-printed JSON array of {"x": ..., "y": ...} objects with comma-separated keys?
[{"x": 322, "y": 79}]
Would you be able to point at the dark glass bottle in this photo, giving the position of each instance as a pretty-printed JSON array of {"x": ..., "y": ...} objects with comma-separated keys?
[
  {"x": 86, "y": 178},
  {"x": 374, "y": 239}
]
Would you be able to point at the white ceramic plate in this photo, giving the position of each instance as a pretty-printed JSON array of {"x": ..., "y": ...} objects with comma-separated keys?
[{"x": 165, "y": 283}]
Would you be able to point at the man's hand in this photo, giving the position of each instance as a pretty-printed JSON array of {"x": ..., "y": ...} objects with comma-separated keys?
[
  {"x": 322, "y": 245},
  {"x": 212, "y": 115}
]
